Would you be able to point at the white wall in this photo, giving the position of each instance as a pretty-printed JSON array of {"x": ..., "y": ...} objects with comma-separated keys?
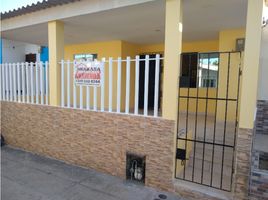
[
  {"x": 14, "y": 51},
  {"x": 263, "y": 72}
]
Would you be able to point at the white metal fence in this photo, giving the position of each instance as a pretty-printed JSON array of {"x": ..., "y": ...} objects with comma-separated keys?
[
  {"x": 120, "y": 89},
  {"x": 24, "y": 82}
]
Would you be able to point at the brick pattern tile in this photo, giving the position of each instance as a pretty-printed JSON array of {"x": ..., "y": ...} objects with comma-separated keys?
[{"x": 93, "y": 139}]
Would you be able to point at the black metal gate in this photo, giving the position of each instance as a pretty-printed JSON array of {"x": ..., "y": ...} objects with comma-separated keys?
[{"x": 208, "y": 118}]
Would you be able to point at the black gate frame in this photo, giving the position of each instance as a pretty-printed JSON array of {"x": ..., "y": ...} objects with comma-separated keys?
[{"x": 181, "y": 153}]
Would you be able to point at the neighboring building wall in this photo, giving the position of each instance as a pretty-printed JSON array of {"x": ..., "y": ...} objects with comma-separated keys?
[
  {"x": 93, "y": 139},
  {"x": 1, "y": 50},
  {"x": 44, "y": 54},
  {"x": 261, "y": 123},
  {"x": 259, "y": 179},
  {"x": 263, "y": 72},
  {"x": 13, "y": 51}
]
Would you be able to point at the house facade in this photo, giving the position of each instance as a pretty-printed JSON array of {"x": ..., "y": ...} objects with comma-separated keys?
[{"x": 182, "y": 86}]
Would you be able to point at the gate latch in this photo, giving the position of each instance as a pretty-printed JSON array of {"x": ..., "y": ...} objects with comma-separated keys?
[{"x": 181, "y": 154}]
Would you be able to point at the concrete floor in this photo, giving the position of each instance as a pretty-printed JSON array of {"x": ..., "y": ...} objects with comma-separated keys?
[{"x": 26, "y": 176}]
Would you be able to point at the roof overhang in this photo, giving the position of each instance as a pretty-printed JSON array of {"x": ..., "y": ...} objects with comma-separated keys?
[
  {"x": 34, "y": 7},
  {"x": 78, "y": 8},
  {"x": 136, "y": 21}
]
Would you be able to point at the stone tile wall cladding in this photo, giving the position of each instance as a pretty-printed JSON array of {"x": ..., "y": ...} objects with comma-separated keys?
[
  {"x": 262, "y": 117},
  {"x": 93, "y": 139},
  {"x": 242, "y": 168},
  {"x": 259, "y": 179}
]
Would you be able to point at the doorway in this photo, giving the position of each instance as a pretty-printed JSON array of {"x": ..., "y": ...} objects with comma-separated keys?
[{"x": 151, "y": 85}]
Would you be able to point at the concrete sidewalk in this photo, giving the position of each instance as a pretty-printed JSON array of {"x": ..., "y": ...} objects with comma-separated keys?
[{"x": 26, "y": 176}]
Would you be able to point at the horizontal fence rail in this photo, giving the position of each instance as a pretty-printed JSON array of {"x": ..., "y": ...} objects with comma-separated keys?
[
  {"x": 25, "y": 82},
  {"x": 129, "y": 86}
]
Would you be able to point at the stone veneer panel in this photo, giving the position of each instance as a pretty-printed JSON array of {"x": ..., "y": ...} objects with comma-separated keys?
[
  {"x": 262, "y": 117},
  {"x": 259, "y": 179},
  {"x": 93, "y": 139},
  {"x": 242, "y": 170}
]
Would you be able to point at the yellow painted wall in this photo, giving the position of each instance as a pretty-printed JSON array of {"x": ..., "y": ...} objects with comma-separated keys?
[
  {"x": 200, "y": 46},
  {"x": 56, "y": 50},
  {"x": 227, "y": 41},
  {"x": 128, "y": 49},
  {"x": 227, "y": 38},
  {"x": 196, "y": 46},
  {"x": 249, "y": 81},
  {"x": 153, "y": 48},
  {"x": 123, "y": 49},
  {"x": 104, "y": 50}
]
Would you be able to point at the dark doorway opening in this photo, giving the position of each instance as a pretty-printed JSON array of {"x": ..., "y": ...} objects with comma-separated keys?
[
  {"x": 189, "y": 63},
  {"x": 30, "y": 58},
  {"x": 151, "y": 84}
]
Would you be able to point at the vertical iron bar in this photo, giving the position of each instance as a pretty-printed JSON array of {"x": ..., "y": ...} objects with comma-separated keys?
[
  {"x": 178, "y": 117},
  {"x": 187, "y": 111},
  {"x": 196, "y": 113},
  {"x": 215, "y": 120},
  {"x": 237, "y": 98},
  {"x": 226, "y": 111},
  {"x": 205, "y": 127},
  {"x": 236, "y": 117}
]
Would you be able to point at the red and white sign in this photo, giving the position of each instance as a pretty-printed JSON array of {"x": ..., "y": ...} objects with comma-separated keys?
[{"x": 88, "y": 73}]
